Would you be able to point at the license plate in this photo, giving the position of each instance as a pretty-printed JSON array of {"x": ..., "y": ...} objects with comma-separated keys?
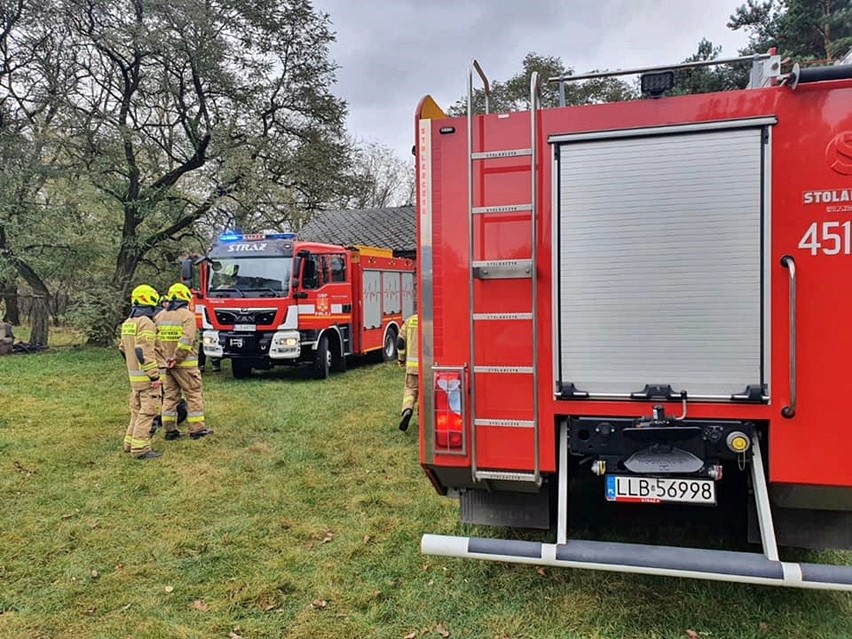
[
  {"x": 656, "y": 490},
  {"x": 250, "y": 328},
  {"x": 237, "y": 341}
]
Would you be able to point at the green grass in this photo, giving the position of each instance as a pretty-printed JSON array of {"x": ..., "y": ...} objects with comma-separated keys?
[{"x": 306, "y": 493}]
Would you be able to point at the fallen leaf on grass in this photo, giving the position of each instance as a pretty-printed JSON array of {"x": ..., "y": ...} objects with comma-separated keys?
[
  {"x": 691, "y": 634},
  {"x": 234, "y": 635},
  {"x": 66, "y": 517},
  {"x": 94, "y": 574},
  {"x": 328, "y": 537},
  {"x": 763, "y": 626},
  {"x": 199, "y": 605},
  {"x": 269, "y": 607},
  {"x": 367, "y": 539},
  {"x": 442, "y": 631},
  {"x": 169, "y": 588},
  {"x": 319, "y": 604},
  {"x": 127, "y": 607},
  {"x": 411, "y": 635},
  {"x": 22, "y": 470},
  {"x": 540, "y": 571}
]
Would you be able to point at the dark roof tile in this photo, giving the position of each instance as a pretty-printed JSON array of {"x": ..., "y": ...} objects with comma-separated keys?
[{"x": 394, "y": 228}]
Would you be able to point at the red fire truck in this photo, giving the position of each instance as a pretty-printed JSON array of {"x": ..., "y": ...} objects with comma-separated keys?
[
  {"x": 267, "y": 298},
  {"x": 638, "y": 314}
]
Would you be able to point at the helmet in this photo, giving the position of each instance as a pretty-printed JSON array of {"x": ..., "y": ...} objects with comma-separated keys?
[
  {"x": 144, "y": 295},
  {"x": 180, "y": 292}
]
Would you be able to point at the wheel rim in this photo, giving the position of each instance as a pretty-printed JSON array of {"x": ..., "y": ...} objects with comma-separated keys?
[{"x": 389, "y": 345}]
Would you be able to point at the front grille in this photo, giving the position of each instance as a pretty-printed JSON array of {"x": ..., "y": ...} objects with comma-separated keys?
[{"x": 260, "y": 318}]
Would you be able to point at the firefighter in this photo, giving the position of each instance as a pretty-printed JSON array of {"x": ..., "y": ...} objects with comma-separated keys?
[
  {"x": 137, "y": 346},
  {"x": 406, "y": 346},
  {"x": 176, "y": 331}
]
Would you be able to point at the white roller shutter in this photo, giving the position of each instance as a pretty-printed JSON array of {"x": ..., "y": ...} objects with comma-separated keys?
[{"x": 660, "y": 263}]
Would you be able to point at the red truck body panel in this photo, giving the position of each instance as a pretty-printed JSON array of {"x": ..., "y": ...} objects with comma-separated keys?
[{"x": 809, "y": 178}]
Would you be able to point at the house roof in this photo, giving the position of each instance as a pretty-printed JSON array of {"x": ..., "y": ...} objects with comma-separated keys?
[{"x": 394, "y": 228}]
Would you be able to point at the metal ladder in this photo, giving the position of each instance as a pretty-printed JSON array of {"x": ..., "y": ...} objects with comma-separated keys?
[{"x": 502, "y": 269}]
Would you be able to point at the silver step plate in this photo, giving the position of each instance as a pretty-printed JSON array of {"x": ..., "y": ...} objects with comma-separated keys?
[
  {"x": 506, "y": 423},
  {"x": 505, "y": 153},
  {"x": 502, "y": 269},
  {"x": 505, "y": 476},
  {"x": 506, "y": 208}
]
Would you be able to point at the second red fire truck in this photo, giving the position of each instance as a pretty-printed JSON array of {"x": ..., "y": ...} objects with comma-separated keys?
[
  {"x": 641, "y": 311},
  {"x": 266, "y": 299}
]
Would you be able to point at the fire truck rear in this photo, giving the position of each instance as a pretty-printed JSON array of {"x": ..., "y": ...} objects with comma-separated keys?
[
  {"x": 638, "y": 313},
  {"x": 269, "y": 299}
]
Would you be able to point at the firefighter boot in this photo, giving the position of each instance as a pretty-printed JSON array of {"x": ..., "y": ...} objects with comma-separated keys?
[
  {"x": 406, "y": 417},
  {"x": 172, "y": 435},
  {"x": 149, "y": 455},
  {"x": 201, "y": 433}
]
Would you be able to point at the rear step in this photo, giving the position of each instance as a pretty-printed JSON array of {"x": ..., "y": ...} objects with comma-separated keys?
[{"x": 670, "y": 561}]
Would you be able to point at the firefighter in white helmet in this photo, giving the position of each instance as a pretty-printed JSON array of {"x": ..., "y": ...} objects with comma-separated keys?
[
  {"x": 137, "y": 346},
  {"x": 406, "y": 346},
  {"x": 176, "y": 332}
]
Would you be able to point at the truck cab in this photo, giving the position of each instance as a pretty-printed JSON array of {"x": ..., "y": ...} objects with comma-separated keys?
[{"x": 269, "y": 299}]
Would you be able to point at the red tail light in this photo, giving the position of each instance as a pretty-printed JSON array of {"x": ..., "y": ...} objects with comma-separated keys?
[{"x": 449, "y": 411}]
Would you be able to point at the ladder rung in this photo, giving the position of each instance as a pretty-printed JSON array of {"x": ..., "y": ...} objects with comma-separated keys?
[
  {"x": 506, "y": 208},
  {"x": 502, "y": 269},
  {"x": 507, "y": 423},
  {"x": 504, "y": 370},
  {"x": 505, "y": 153},
  {"x": 502, "y": 316},
  {"x": 508, "y": 476}
]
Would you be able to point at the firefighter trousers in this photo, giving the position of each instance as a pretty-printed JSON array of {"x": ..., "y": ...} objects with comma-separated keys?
[
  {"x": 409, "y": 393},
  {"x": 144, "y": 407},
  {"x": 186, "y": 381}
]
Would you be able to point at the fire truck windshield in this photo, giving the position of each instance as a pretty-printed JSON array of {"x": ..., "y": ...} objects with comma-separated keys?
[{"x": 250, "y": 277}]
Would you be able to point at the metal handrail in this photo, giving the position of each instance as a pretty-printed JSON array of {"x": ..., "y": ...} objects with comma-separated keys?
[
  {"x": 535, "y": 105},
  {"x": 474, "y": 66},
  {"x": 671, "y": 67},
  {"x": 790, "y": 264}
]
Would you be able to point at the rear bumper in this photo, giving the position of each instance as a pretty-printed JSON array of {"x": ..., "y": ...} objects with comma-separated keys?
[{"x": 670, "y": 561}]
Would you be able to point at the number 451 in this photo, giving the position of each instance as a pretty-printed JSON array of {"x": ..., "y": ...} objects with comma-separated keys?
[{"x": 813, "y": 239}]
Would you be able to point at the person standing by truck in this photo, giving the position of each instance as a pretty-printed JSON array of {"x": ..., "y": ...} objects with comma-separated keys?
[
  {"x": 137, "y": 346},
  {"x": 176, "y": 333},
  {"x": 406, "y": 347}
]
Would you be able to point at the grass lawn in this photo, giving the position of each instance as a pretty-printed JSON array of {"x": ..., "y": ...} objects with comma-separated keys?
[{"x": 300, "y": 518}]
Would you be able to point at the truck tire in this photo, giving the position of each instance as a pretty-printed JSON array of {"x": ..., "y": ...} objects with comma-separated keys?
[
  {"x": 389, "y": 347},
  {"x": 338, "y": 358},
  {"x": 322, "y": 359},
  {"x": 240, "y": 369}
]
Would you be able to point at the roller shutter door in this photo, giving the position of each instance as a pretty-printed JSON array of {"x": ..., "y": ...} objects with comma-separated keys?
[{"x": 659, "y": 263}]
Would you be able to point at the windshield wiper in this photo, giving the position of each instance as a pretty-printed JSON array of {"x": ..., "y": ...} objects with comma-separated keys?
[
  {"x": 266, "y": 288},
  {"x": 228, "y": 290}
]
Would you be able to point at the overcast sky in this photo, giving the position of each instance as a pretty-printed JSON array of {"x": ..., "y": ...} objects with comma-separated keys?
[{"x": 392, "y": 52}]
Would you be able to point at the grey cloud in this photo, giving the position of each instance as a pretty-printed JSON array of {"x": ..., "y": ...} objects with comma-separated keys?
[{"x": 392, "y": 52}]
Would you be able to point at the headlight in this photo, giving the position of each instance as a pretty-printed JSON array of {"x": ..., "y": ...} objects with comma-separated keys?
[{"x": 211, "y": 340}]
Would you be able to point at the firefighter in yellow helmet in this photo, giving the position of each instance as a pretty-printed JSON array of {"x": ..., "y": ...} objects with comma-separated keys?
[
  {"x": 137, "y": 346},
  {"x": 406, "y": 347},
  {"x": 176, "y": 331}
]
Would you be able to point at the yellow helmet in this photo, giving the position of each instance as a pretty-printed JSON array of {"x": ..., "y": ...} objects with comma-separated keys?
[
  {"x": 144, "y": 295},
  {"x": 180, "y": 292}
]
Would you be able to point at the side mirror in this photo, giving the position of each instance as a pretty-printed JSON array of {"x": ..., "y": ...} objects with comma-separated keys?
[{"x": 186, "y": 268}]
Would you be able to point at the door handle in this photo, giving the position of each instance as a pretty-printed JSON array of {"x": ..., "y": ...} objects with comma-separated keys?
[{"x": 790, "y": 264}]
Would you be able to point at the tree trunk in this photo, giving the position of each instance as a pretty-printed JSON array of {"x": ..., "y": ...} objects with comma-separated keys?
[
  {"x": 9, "y": 292},
  {"x": 40, "y": 320}
]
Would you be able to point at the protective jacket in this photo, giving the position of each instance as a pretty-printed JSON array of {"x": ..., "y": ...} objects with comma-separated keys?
[
  {"x": 138, "y": 347},
  {"x": 406, "y": 345},
  {"x": 176, "y": 331}
]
